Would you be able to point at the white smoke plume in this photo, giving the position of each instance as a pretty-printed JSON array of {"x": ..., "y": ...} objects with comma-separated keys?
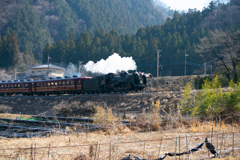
[
  {"x": 112, "y": 64},
  {"x": 72, "y": 70},
  {"x": 4, "y": 75}
]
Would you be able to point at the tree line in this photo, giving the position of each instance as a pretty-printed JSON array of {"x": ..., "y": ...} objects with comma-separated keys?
[
  {"x": 182, "y": 33},
  {"x": 39, "y": 22}
]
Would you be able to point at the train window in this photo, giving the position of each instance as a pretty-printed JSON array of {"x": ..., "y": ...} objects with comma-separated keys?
[
  {"x": 72, "y": 82},
  {"x": 60, "y": 83},
  {"x": 38, "y": 85},
  {"x": 26, "y": 85},
  {"x": 56, "y": 84},
  {"x": 11, "y": 85},
  {"x": 52, "y": 83},
  {"x": 2, "y": 86},
  {"x": 64, "y": 83},
  {"x": 15, "y": 85},
  {"x": 67, "y": 82},
  {"x": 44, "y": 84},
  {"x": 5, "y": 86},
  {"x": 19, "y": 85},
  {"x": 49, "y": 84},
  {"x": 79, "y": 82}
]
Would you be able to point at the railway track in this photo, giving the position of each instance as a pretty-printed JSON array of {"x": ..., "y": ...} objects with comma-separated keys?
[
  {"x": 46, "y": 125},
  {"x": 90, "y": 95},
  {"x": 26, "y": 128}
]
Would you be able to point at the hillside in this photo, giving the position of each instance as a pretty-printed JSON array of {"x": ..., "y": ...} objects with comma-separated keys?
[
  {"x": 73, "y": 31},
  {"x": 37, "y": 22}
]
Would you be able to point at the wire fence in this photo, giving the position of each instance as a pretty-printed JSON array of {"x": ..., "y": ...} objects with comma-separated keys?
[{"x": 226, "y": 144}]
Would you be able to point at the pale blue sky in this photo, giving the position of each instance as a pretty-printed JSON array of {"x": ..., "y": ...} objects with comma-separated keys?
[{"x": 186, "y": 4}]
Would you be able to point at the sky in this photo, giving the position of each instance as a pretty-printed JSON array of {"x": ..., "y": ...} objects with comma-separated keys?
[{"x": 186, "y": 4}]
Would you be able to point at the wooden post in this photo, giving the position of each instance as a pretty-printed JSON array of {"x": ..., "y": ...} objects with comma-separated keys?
[
  {"x": 143, "y": 150},
  {"x": 233, "y": 144},
  {"x": 187, "y": 145},
  {"x": 49, "y": 150},
  {"x": 117, "y": 147},
  {"x": 31, "y": 151},
  {"x": 98, "y": 151},
  {"x": 221, "y": 144},
  {"x": 110, "y": 151},
  {"x": 212, "y": 134},
  {"x": 175, "y": 149},
  {"x": 159, "y": 148},
  {"x": 179, "y": 146},
  {"x": 35, "y": 151},
  {"x": 217, "y": 142}
]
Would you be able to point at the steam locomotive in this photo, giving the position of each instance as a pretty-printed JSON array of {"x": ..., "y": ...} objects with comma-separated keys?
[{"x": 106, "y": 83}]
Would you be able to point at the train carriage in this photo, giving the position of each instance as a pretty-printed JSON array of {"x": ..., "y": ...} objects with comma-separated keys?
[{"x": 106, "y": 83}]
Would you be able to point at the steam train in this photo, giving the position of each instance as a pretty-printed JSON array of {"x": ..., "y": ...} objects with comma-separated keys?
[{"x": 106, "y": 83}]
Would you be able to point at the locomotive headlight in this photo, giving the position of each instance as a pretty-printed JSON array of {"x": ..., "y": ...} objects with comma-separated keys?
[{"x": 141, "y": 81}]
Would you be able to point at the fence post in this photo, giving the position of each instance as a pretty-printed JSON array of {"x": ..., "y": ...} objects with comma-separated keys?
[
  {"x": 212, "y": 134},
  {"x": 179, "y": 145},
  {"x": 233, "y": 144},
  {"x": 217, "y": 142},
  {"x": 159, "y": 148},
  {"x": 98, "y": 151},
  {"x": 49, "y": 150},
  {"x": 110, "y": 151},
  {"x": 117, "y": 147},
  {"x": 175, "y": 149},
  {"x": 35, "y": 150},
  {"x": 221, "y": 144},
  {"x": 143, "y": 150},
  {"x": 187, "y": 146},
  {"x": 31, "y": 151}
]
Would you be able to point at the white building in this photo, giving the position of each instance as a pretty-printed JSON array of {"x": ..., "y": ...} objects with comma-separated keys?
[{"x": 46, "y": 71}]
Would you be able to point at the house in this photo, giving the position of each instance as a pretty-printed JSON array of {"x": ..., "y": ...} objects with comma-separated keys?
[{"x": 46, "y": 71}]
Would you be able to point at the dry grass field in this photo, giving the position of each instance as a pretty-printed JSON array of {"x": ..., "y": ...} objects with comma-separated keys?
[{"x": 119, "y": 141}]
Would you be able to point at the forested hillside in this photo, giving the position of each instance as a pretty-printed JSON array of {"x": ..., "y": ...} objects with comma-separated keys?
[
  {"x": 179, "y": 34},
  {"x": 37, "y": 22},
  {"x": 72, "y": 31}
]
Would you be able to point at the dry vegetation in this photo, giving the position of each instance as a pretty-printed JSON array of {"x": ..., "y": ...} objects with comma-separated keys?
[
  {"x": 97, "y": 145},
  {"x": 145, "y": 137}
]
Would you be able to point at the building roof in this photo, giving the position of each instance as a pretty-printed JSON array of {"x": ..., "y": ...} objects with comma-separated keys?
[{"x": 45, "y": 66}]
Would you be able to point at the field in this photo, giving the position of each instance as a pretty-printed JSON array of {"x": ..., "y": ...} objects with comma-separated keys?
[{"x": 118, "y": 141}]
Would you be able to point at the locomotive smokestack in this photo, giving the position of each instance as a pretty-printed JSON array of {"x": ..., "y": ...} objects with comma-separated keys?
[{"x": 111, "y": 64}]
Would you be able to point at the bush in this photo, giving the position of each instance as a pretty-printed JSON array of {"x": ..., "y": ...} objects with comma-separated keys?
[
  {"x": 211, "y": 100},
  {"x": 199, "y": 81}
]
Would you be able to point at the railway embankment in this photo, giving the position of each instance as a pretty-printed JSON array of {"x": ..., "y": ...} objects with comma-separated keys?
[{"x": 84, "y": 105}]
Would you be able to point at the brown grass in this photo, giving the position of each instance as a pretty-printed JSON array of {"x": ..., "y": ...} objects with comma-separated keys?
[
  {"x": 88, "y": 147},
  {"x": 112, "y": 140}
]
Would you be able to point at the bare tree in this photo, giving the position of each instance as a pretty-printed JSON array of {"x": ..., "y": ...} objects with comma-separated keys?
[{"x": 222, "y": 50}]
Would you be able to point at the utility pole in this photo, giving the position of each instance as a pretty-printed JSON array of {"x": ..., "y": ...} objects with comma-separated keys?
[
  {"x": 48, "y": 66},
  {"x": 185, "y": 63},
  {"x": 205, "y": 68},
  {"x": 80, "y": 62},
  {"x": 158, "y": 65},
  {"x": 15, "y": 73}
]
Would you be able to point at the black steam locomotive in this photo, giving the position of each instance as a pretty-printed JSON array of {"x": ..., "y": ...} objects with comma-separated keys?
[{"x": 107, "y": 83}]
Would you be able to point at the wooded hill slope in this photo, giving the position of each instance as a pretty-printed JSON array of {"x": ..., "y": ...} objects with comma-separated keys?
[{"x": 37, "y": 22}]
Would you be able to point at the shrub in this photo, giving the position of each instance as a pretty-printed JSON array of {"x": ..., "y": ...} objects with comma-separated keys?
[{"x": 211, "y": 100}]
